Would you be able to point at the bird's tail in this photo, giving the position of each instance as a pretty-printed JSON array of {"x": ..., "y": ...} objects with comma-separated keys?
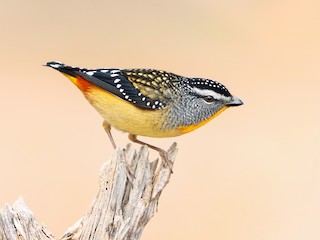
[
  {"x": 65, "y": 69},
  {"x": 72, "y": 73}
]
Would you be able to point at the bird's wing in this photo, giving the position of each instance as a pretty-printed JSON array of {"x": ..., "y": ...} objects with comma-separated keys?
[
  {"x": 144, "y": 88},
  {"x": 157, "y": 85}
]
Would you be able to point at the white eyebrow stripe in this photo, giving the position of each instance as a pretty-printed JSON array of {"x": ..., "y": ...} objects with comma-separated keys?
[{"x": 207, "y": 92}]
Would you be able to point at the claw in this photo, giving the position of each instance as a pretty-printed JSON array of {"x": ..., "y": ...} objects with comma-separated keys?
[{"x": 163, "y": 154}]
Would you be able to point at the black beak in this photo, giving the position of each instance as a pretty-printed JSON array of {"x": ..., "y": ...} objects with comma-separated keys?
[{"x": 235, "y": 102}]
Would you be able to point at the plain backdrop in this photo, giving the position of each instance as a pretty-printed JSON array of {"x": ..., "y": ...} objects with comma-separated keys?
[{"x": 252, "y": 173}]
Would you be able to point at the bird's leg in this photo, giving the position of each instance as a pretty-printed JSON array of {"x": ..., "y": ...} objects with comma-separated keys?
[
  {"x": 107, "y": 128},
  {"x": 163, "y": 153}
]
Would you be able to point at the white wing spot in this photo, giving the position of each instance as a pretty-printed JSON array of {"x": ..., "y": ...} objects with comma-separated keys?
[
  {"x": 91, "y": 73},
  {"x": 55, "y": 65}
]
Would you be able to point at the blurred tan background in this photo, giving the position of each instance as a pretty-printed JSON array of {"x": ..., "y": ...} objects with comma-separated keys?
[{"x": 252, "y": 173}]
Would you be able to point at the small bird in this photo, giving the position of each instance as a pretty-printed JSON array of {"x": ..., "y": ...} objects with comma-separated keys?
[{"x": 148, "y": 102}]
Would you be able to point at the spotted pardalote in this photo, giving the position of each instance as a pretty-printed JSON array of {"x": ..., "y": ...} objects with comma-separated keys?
[{"x": 149, "y": 102}]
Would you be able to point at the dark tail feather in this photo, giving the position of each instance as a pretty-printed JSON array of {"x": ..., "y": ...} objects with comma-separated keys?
[{"x": 64, "y": 68}]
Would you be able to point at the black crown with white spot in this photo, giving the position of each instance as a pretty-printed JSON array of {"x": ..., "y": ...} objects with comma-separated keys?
[{"x": 203, "y": 83}]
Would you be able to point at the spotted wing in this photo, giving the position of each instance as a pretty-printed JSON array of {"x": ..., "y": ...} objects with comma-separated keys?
[
  {"x": 159, "y": 86},
  {"x": 144, "y": 88}
]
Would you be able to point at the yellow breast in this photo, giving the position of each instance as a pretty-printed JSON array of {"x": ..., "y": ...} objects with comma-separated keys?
[{"x": 126, "y": 117}]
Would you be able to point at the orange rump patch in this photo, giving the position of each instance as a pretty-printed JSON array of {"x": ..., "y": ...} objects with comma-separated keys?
[{"x": 80, "y": 82}]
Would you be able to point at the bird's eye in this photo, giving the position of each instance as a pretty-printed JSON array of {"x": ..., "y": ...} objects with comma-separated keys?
[{"x": 209, "y": 99}]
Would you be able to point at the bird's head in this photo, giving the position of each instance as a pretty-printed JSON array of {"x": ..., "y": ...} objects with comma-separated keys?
[{"x": 200, "y": 100}]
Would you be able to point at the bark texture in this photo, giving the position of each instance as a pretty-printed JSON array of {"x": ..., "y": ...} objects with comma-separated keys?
[{"x": 130, "y": 187}]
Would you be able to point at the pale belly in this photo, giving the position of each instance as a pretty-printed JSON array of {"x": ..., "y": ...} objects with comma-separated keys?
[{"x": 124, "y": 116}]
